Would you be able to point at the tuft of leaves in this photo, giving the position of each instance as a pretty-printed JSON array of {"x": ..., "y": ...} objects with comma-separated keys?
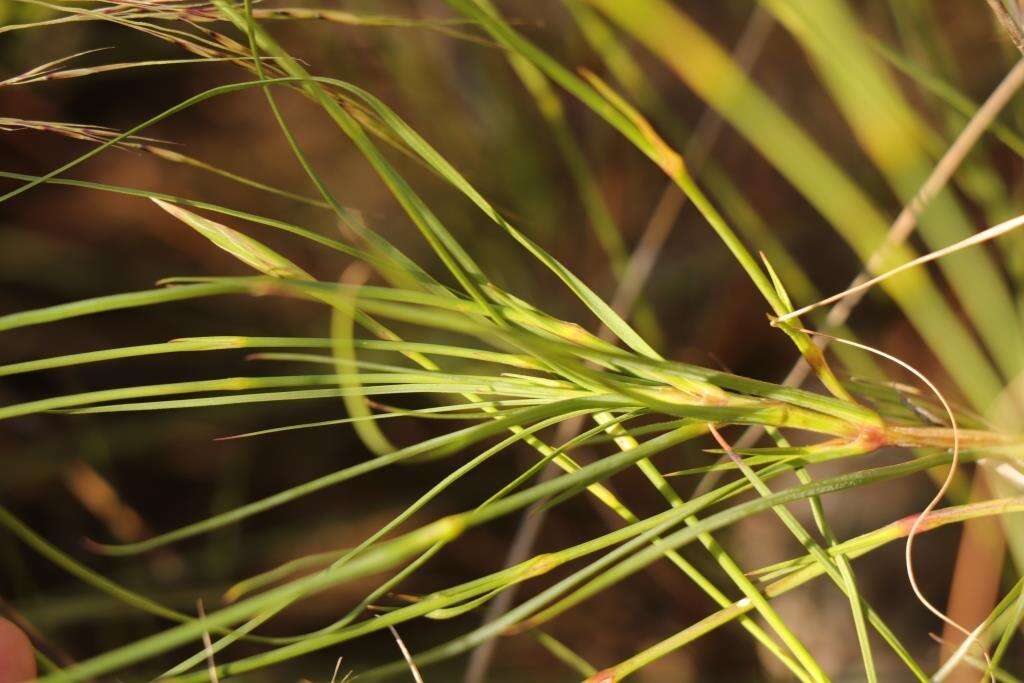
[{"x": 509, "y": 374}]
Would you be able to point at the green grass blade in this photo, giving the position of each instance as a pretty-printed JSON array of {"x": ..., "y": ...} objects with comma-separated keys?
[{"x": 700, "y": 62}]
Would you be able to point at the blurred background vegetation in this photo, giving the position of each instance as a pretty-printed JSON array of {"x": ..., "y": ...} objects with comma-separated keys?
[{"x": 123, "y": 477}]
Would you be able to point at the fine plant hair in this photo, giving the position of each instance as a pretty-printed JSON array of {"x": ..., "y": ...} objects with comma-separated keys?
[{"x": 494, "y": 373}]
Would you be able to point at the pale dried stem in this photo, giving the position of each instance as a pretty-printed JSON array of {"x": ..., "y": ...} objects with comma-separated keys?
[{"x": 898, "y": 233}]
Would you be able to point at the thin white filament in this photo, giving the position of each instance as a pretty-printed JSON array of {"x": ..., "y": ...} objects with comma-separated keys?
[
  {"x": 943, "y": 489},
  {"x": 978, "y": 238}
]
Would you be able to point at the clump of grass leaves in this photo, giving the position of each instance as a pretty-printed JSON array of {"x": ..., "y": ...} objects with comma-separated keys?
[{"x": 509, "y": 372}]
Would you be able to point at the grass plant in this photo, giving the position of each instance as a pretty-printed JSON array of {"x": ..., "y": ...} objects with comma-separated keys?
[{"x": 494, "y": 372}]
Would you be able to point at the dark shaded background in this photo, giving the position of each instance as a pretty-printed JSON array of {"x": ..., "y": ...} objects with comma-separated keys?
[{"x": 59, "y": 244}]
